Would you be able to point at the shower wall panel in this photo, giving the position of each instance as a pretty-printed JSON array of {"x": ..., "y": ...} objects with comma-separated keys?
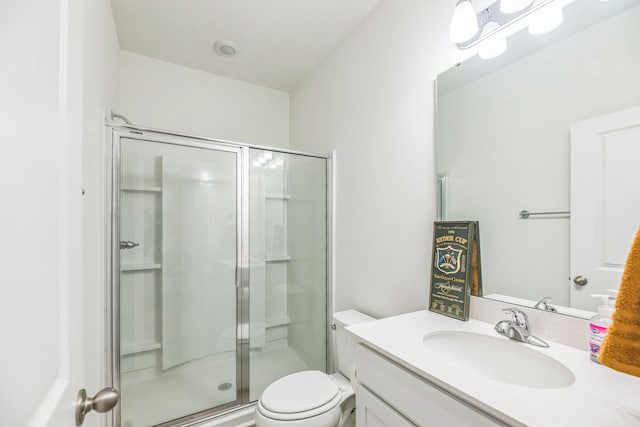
[{"x": 199, "y": 256}]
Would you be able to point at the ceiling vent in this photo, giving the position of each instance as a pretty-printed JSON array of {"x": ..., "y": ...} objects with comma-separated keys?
[{"x": 225, "y": 48}]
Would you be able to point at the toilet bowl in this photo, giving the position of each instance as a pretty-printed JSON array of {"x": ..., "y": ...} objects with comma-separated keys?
[
  {"x": 313, "y": 398},
  {"x": 308, "y": 398}
]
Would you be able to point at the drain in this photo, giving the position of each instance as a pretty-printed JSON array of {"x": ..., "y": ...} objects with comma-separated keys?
[{"x": 225, "y": 386}]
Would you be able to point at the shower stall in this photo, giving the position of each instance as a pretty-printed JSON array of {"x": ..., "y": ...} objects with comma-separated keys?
[{"x": 218, "y": 271}]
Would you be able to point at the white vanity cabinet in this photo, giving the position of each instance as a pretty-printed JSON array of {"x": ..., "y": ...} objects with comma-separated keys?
[
  {"x": 389, "y": 395},
  {"x": 371, "y": 411}
]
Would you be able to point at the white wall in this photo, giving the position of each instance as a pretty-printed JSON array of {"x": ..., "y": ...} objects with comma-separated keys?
[
  {"x": 498, "y": 168},
  {"x": 101, "y": 50},
  {"x": 372, "y": 100},
  {"x": 162, "y": 95}
]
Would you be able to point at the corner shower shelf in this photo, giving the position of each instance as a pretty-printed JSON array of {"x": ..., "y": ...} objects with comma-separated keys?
[
  {"x": 139, "y": 347},
  {"x": 278, "y": 196},
  {"x": 147, "y": 188},
  {"x": 280, "y": 321},
  {"x": 284, "y": 258},
  {"x": 141, "y": 267}
]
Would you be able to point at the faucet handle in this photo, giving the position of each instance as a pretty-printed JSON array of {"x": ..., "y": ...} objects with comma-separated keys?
[
  {"x": 544, "y": 300},
  {"x": 543, "y": 305},
  {"x": 519, "y": 317}
]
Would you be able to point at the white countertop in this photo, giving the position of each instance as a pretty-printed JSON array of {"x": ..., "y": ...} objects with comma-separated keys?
[{"x": 599, "y": 397}]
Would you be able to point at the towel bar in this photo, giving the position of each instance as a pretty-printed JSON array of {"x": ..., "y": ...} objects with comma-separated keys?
[{"x": 526, "y": 214}]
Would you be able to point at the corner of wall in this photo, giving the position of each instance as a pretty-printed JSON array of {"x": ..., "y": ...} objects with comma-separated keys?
[{"x": 371, "y": 100}]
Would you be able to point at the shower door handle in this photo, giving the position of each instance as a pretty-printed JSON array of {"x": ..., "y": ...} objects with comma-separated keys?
[
  {"x": 128, "y": 245},
  {"x": 104, "y": 401}
]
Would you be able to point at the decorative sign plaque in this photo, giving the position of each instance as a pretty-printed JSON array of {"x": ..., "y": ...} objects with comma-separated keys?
[{"x": 455, "y": 270}]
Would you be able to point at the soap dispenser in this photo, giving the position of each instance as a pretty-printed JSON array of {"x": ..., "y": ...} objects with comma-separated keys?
[{"x": 599, "y": 323}]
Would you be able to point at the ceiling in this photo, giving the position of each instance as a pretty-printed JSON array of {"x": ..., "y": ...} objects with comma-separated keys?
[{"x": 279, "y": 41}]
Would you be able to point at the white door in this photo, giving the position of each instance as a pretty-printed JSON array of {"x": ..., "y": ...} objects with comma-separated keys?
[
  {"x": 41, "y": 327},
  {"x": 605, "y": 203}
]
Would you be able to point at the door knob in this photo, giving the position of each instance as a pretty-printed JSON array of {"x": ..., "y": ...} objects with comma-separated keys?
[
  {"x": 103, "y": 401},
  {"x": 580, "y": 280}
]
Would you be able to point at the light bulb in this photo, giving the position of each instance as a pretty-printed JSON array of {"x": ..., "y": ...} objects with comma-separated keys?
[
  {"x": 513, "y": 6},
  {"x": 494, "y": 45},
  {"x": 546, "y": 19},
  {"x": 464, "y": 23}
]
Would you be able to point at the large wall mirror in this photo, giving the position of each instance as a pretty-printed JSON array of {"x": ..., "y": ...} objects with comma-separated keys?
[{"x": 551, "y": 127}]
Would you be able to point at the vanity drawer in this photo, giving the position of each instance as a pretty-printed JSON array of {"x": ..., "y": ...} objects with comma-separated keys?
[
  {"x": 413, "y": 397},
  {"x": 373, "y": 412}
]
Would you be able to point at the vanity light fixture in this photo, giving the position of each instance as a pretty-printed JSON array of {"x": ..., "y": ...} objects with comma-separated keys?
[
  {"x": 206, "y": 178},
  {"x": 464, "y": 23},
  {"x": 267, "y": 161},
  {"x": 546, "y": 19},
  {"x": 493, "y": 46},
  {"x": 513, "y": 6},
  {"x": 540, "y": 16}
]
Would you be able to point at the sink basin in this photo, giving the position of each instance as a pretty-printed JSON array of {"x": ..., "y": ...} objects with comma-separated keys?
[{"x": 502, "y": 360}]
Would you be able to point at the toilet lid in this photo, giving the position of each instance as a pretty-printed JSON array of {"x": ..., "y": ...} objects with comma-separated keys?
[{"x": 299, "y": 392}]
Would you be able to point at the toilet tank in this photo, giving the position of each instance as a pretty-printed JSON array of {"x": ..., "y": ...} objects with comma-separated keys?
[{"x": 345, "y": 342}]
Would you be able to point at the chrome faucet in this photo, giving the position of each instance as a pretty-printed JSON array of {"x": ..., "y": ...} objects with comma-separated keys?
[
  {"x": 518, "y": 328},
  {"x": 542, "y": 305}
]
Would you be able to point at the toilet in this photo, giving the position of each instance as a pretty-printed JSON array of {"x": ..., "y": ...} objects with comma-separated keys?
[{"x": 313, "y": 398}]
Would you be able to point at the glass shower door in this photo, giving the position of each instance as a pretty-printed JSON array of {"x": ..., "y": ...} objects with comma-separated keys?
[
  {"x": 288, "y": 265},
  {"x": 178, "y": 216}
]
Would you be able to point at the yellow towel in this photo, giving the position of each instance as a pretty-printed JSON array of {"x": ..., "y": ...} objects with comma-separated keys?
[{"x": 621, "y": 347}]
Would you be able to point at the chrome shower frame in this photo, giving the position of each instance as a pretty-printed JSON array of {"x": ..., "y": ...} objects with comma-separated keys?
[{"x": 117, "y": 131}]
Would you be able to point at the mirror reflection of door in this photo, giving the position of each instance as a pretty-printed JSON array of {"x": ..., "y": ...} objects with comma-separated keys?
[{"x": 605, "y": 206}]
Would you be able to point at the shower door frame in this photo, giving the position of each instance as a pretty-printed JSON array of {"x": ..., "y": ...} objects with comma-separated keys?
[{"x": 115, "y": 132}]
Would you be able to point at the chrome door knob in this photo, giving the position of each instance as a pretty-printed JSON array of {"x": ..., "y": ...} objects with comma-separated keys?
[
  {"x": 580, "y": 281},
  {"x": 104, "y": 401}
]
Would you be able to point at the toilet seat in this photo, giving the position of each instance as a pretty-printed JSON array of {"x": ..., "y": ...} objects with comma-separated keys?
[{"x": 300, "y": 395}]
